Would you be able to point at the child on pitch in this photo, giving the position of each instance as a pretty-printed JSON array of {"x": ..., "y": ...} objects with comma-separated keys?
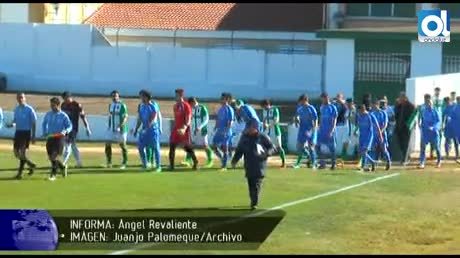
[
  {"x": 449, "y": 126},
  {"x": 149, "y": 135},
  {"x": 256, "y": 148},
  {"x": 271, "y": 126},
  {"x": 381, "y": 143},
  {"x": 223, "y": 131},
  {"x": 306, "y": 119},
  {"x": 430, "y": 125},
  {"x": 368, "y": 129}
]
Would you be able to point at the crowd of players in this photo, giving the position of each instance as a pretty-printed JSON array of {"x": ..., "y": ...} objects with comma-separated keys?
[{"x": 369, "y": 126}]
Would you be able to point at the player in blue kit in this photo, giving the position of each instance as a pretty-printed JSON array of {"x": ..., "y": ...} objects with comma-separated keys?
[
  {"x": 327, "y": 132},
  {"x": 381, "y": 143},
  {"x": 307, "y": 120},
  {"x": 456, "y": 121},
  {"x": 429, "y": 124},
  {"x": 153, "y": 152},
  {"x": 249, "y": 115},
  {"x": 223, "y": 130},
  {"x": 449, "y": 126},
  {"x": 1, "y": 118},
  {"x": 368, "y": 128},
  {"x": 149, "y": 136}
]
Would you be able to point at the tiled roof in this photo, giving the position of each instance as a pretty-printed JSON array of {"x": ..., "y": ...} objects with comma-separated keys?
[
  {"x": 211, "y": 16},
  {"x": 166, "y": 16}
]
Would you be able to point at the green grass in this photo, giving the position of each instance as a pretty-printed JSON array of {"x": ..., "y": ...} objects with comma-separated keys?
[{"x": 415, "y": 212}]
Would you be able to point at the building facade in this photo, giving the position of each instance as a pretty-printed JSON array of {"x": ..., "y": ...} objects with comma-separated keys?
[
  {"x": 69, "y": 13},
  {"x": 21, "y": 12},
  {"x": 379, "y": 15}
]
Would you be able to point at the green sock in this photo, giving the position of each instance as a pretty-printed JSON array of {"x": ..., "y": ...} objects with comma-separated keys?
[
  {"x": 209, "y": 154},
  {"x": 149, "y": 155},
  {"x": 299, "y": 158},
  {"x": 188, "y": 158},
  {"x": 282, "y": 155}
]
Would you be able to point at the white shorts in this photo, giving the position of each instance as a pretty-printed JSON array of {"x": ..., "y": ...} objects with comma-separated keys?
[
  {"x": 276, "y": 140},
  {"x": 353, "y": 141},
  {"x": 200, "y": 140},
  {"x": 117, "y": 137}
]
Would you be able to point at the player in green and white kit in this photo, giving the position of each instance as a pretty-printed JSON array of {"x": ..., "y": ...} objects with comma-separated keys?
[
  {"x": 117, "y": 129},
  {"x": 271, "y": 126},
  {"x": 200, "y": 120}
]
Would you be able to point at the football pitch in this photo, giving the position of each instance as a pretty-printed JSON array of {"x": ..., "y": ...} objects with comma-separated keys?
[{"x": 403, "y": 211}]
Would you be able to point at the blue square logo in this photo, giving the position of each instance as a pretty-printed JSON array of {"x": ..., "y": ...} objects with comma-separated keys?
[{"x": 433, "y": 26}]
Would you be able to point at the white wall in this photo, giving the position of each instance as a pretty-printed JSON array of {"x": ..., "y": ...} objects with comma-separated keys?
[
  {"x": 50, "y": 57},
  {"x": 418, "y": 86},
  {"x": 340, "y": 66},
  {"x": 341, "y": 133},
  {"x": 14, "y": 13},
  {"x": 426, "y": 58},
  {"x": 98, "y": 127}
]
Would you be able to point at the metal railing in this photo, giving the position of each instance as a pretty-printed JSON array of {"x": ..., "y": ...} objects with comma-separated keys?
[
  {"x": 382, "y": 67},
  {"x": 450, "y": 64}
]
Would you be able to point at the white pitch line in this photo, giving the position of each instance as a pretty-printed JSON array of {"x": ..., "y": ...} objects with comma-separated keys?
[{"x": 288, "y": 204}]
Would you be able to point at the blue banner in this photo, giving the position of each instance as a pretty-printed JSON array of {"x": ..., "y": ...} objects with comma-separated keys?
[{"x": 27, "y": 230}]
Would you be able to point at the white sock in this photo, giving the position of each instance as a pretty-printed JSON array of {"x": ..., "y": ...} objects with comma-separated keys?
[
  {"x": 76, "y": 154},
  {"x": 67, "y": 152}
]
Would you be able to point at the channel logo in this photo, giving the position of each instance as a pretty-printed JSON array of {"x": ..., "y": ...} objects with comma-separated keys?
[{"x": 433, "y": 26}]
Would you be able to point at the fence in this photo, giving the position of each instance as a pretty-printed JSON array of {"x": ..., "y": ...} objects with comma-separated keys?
[
  {"x": 450, "y": 64},
  {"x": 99, "y": 131}
]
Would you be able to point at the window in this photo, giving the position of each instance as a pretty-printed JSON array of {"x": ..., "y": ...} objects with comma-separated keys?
[
  {"x": 382, "y": 67},
  {"x": 381, "y": 10},
  {"x": 454, "y": 9},
  {"x": 358, "y": 9}
]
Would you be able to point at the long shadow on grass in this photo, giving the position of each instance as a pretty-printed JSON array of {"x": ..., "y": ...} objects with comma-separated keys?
[
  {"x": 100, "y": 170},
  {"x": 228, "y": 208}
]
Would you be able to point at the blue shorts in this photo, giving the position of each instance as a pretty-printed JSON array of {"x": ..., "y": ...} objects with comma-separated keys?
[
  {"x": 149, "y": 138},
  {"x": 222, "y": 138},
  {"x": 377, "y": 141},
  {"x": 303, "y": 138},
  {"x": 324, "y": 138},
  {"x": 365, "y": 142},
  {"x": 432, "y": 137},
  {"x": 449, "y": 131}
]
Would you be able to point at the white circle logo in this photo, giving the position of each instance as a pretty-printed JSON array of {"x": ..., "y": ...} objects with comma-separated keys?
[{"x": 439, "y": 25}]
